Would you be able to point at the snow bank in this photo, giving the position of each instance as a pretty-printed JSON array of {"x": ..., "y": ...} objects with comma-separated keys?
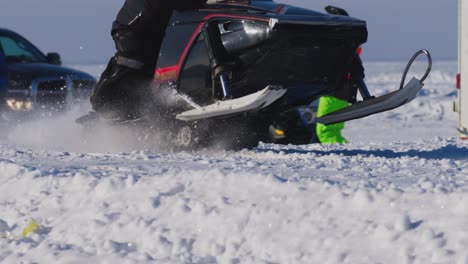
[{"x": 310, "y": 204}]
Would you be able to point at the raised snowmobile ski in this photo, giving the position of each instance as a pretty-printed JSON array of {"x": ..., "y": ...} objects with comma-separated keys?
[
  {"x": 382, "y": 103},
  {"x": 375, "y": 105},
  {"x": 255, "y": 101}
]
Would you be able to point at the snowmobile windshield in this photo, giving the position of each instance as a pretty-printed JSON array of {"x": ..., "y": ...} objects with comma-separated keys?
[{"x": 18, "y": 50}]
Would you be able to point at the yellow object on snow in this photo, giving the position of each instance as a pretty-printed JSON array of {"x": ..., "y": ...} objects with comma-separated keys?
[{"x": 32, "y": 226}]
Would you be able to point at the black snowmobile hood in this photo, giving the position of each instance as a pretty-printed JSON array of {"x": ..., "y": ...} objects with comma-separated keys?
[{"x": 285, "y": 13}]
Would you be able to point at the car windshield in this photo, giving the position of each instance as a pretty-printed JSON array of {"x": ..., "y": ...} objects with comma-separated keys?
[{"x": 17, "y": 49}]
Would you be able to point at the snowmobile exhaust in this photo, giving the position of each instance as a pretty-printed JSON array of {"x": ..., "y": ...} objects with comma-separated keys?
[{"x": 374, "y": 105}]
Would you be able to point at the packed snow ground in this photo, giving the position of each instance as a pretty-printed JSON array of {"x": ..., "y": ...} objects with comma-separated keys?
[{"x": 397, "y": 194}]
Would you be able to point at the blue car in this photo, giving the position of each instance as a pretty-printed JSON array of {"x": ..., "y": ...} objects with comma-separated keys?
[{"x": 37, "y": 80}]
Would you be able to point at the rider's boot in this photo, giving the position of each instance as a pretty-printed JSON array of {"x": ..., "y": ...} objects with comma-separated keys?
[{"x": 122, "y": 91}]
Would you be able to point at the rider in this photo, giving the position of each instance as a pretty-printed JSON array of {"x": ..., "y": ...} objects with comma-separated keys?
[{"x": 138, "y": 32}]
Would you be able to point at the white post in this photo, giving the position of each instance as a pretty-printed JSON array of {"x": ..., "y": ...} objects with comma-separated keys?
[{"x": 463, "y": 69}]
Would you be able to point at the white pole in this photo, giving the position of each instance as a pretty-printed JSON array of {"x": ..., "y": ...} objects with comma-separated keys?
[{"x": 463, "y": 68}]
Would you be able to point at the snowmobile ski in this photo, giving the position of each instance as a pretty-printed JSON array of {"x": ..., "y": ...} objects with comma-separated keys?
[
  {"x": 376, "y": 105},
  {"x": 255, "y": 101},
  {"x": 383, "y": 103}
]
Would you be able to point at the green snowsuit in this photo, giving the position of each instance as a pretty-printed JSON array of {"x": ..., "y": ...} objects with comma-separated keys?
[{"x": 330, "y": 134}]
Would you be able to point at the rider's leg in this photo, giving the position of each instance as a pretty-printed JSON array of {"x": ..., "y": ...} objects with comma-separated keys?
[
  {"x": 341, "y": 98},
  {"x": 137, "y": 33}
]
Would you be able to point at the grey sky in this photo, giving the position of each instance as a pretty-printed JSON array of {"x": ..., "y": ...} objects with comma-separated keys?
[{"x": 79, "y": 30}]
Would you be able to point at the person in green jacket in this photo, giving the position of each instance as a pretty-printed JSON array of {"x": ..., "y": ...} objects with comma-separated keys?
[{"x": 332, "y": 134}]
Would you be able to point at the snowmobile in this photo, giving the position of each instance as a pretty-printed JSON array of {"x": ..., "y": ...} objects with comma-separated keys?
[{"x": 247, "y": 71}]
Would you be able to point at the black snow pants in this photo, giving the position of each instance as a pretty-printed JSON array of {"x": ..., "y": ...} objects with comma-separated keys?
[
  {"x": 347, "y": 91},
  {"x": 138, "y": 32}
]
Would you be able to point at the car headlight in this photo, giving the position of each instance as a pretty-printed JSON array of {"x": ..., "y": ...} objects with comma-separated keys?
[{"x": 19, "y": 105}]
